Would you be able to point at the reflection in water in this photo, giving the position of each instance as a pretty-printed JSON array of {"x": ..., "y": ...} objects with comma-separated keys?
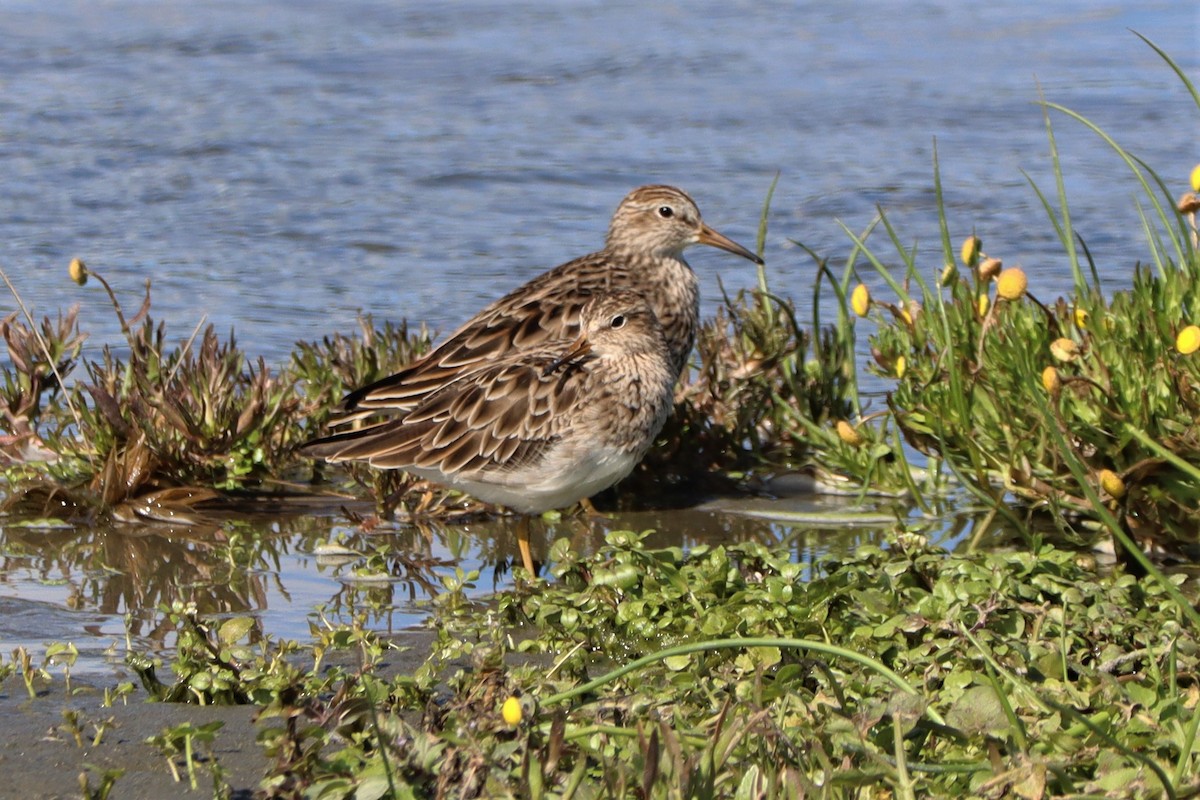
[
  {"x": 131, "y": 570},
  {"x": 294, "y": 570}
]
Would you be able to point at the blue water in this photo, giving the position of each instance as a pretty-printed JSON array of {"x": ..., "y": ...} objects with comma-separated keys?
[{"x": 277, "y": 166}]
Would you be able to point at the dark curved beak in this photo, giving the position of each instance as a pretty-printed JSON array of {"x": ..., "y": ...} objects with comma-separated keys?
[
  {"x": 579, "y": 348},
  {"x": 710, "y": 237}
]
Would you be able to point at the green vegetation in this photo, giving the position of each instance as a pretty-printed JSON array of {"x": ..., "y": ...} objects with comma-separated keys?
[
  {"x": 729, "y": 672},
  {"x": 1036, "y": 401},
  {"x": 723, "y": 671},
  {"x": 914, "y": 670}
]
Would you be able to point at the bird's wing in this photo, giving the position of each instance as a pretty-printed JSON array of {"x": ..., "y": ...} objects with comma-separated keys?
[
  {"x": 496, "y": 419},
  {"x": 543, "y": 310}
]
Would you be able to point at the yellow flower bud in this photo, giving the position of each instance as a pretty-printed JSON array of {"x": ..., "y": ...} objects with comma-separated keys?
[
  {"x": 511, "y": 711},
  {"x": 1012, "y": 283},
  {"x": 78, "y": 271},
  {"x": 910, "y": 311},
  {"x": 970, "y": 250},
  {"x": 848, "y": 434},
  {"x": 1051, "y": 380},
  {"x": 860, "y": 300},
  {"x": 1064, "y": 349},
  {"x": 983, "y": 303},
  {"x": 989, "y": 268},
  {"x": 1111, "y": 483},
  {"x": 1196, "y": 178},
  {"x": 949, "y": 272},
  {"x": 1188, "y": 340},
  {"x": 901, "y": 366},
  {"x": 1081, "y": 318}
]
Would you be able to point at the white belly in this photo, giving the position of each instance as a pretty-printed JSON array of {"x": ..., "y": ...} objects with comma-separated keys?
[{"x": 558, "y": 482}]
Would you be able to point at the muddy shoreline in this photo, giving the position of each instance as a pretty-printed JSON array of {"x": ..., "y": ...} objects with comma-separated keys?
[{"x": 41, "y": 760}]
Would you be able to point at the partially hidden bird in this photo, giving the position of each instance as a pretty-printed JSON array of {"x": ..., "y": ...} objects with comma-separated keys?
[{"x": 537, "y": 428}]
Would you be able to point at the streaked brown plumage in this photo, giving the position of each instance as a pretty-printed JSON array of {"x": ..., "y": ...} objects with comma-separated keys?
[
  {"x": 643, "y": 252},
  {"x": 540, "y": 428}
]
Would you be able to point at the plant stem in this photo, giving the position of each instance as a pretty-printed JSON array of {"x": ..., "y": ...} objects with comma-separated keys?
[{"x": 738, "y": 644}]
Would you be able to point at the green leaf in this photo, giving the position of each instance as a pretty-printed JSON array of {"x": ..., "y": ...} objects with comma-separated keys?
[
  {"x": 232, "y": 630},
  {"x": 978, "y": 711},
  {"x": 677, "y": 663}
]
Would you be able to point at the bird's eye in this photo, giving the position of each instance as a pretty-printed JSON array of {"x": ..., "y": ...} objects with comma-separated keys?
[
  {"x": 617, "y": 322},
  {"x": 666, "y": 212}
]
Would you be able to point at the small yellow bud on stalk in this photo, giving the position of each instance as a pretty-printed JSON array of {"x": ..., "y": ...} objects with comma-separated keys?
[
  {"x": 1081, "y": 318},
  {"x": 970, "y": 250},
  {"x": 78, "y": 271},
  {"x": 849, "y": 434},
  {"x": 989, "y": 268},
  {"x": 901, "y": 366},
  {"x": 1051, "y": 380},
  {"x": 1064, "y": 349},
  {"x": 910, "y": 312},
  {"x": 983, "y": 302},
  {"x": 1188, "y": 340},
  {"x": 1112, "y": 484},
  {"x": 948, "y": 273},
  {"x": 1012, "y": 283},
  {"x": 860, "y": 300},
  {"x": 1196, "y": 178},
  {"x": 511, "y": 711}
]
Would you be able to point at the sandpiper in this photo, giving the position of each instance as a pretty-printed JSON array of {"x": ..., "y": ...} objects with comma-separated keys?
[
  {"x": 539, "y": 428},
  {"x": 643, "y": 252}
]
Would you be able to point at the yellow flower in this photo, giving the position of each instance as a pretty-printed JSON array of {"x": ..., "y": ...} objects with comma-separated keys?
[
  {"x": 847, "y": 433},
  {"x": 983, "y": 303},
  {"x": 1051, "y": 380},
  {"x": 901, "y": 366},
  {"x": 1196, "y": 178},
  {"x": 1081, "y": 318},
  {"x": 948, "y": 273},
  {"x": 1064, "y": 349},
  {"x": 1111, "y": 483},
  {"x": 860, "y": 300},
  {"x": 511, "y": 711},
  {"x": 78, "y": 271},
  {"x": 1011, "y": 284},
  {"x": 970, "y": 250},
  {"x": 989, "y": 268},
  {"x": 1188, "y": 340}
]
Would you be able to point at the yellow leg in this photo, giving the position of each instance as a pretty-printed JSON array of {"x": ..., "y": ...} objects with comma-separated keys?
[
  {"x": 589, "y": 509},
  {"x": 523, "y": 544}
]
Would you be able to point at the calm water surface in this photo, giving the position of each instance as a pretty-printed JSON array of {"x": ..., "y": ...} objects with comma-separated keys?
[{"x": 278, "y": 167}]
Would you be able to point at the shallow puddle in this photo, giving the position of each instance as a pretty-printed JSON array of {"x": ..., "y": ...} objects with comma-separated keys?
[{"x": 103, "y": 587}]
